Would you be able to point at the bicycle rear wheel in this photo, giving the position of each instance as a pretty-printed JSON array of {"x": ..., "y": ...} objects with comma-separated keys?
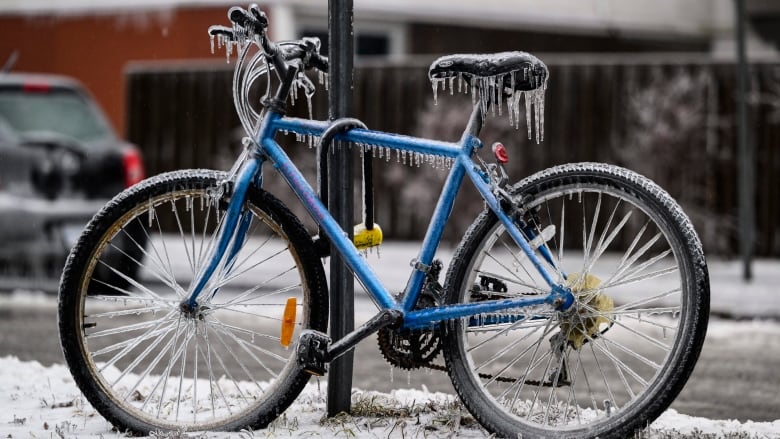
[
  {"x": 609, "y": 365},
  {"x": 147, "y": 365}
]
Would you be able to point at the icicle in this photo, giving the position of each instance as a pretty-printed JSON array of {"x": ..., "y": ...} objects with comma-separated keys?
[
  {"x": 388, "y": 153},
  {"x": 492, "y": 88},
  {"x": 308, "y": 103},
  {"x": 484, "y": 92},
  {"x": 398, "y": 156},
  {"x": 228, "y": 50},
  {"x": 381, "y": 150},
  {"x": 211, "y": 40},
  {"x": 500, "y": 91},
  {"x": 403, "y": 157},
  {"x": 528, "y": 115},
  {"x": 321, "y": 76},
  {"x": 294, "y": 92},
  {"x": 452, "y": 85},
  {"x": 435, "y": 83},
  {"x": 473, "y": 92},
  {"x": 460, "y": 82},
  {"x": 510, "y": 110},
  {"x": 542, "y": 92}
]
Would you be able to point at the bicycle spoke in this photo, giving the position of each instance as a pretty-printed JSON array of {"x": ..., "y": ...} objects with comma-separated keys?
[
  {"x": 233, "y": 276},
  {"x": 504, "y": 350},
  {"x": 646, "y": 300},
  {"x": 247, "y": 347},
  {"x": 651, "y": 275},
  {"x": 244, "y": 295},
  {"x": 154, "y": 272},
  {"x": 518, "y": 262},
  {"x": 183, "y": 239}
]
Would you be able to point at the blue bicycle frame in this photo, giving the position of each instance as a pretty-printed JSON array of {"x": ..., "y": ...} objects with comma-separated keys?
[{"x": 235, "y": 223}]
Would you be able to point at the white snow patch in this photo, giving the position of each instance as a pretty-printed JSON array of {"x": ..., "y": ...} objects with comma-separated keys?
[{"x": 38, "y": 401}]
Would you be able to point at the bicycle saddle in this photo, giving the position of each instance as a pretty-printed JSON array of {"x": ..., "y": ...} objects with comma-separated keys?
[{"x": 519, "y": 70}]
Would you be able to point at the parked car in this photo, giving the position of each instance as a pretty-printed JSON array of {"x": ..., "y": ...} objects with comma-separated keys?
[{"x": 60, "y": 161}]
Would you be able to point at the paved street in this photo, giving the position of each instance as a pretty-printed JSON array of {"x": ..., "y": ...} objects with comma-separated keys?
[{"x": 736, "y": 377}]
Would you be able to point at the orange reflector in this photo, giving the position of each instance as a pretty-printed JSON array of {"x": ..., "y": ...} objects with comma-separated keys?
[{"x": 288, "y": 321}]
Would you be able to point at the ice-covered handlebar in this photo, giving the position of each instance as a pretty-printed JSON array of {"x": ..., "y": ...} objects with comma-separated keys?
[
  {"x": 253, "y": 20},
  {"x": 224, "y": 31}
]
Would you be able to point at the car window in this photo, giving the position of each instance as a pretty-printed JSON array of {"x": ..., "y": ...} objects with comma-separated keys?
[
  {"x": 61, "y": 111},
  {"x": 7, "y": 134}
]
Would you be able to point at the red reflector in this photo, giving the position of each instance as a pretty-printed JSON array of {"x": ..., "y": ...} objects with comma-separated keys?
[
  {"x": 36, "y": 87},
  {"x": 500, "y": 153},
  {"x": 133, "y": 166}
]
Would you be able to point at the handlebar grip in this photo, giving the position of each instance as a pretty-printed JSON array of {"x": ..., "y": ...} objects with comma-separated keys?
[
  {"x": 242, "y": 18},
  {"x": 222, "y": 30},
  {"x": 319, "y": 62},
  {"x": 259, "y": 15}
]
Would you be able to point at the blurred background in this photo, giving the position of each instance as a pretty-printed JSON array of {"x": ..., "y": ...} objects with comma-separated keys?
[{"x": 650, "y": 86}]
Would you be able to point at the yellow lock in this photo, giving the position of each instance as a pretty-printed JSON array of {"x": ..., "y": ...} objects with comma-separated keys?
[{"x": 365, "y": 238}]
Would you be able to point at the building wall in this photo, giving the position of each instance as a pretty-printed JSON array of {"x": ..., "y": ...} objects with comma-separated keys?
[
  {"x": 94, "y": 48},
  {"x": 444, "y": 39}
]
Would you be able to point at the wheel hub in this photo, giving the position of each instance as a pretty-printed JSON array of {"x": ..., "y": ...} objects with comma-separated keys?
[
  {"x": 587, "y": 317},
  {"x": 197, "y": 312}
]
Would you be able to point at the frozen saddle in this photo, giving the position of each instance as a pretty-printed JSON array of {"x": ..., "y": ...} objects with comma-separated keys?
[{"x": 519, "y": 71}]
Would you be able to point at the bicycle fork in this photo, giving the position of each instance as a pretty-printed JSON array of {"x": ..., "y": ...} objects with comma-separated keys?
[{"x": 231, "y": 234}]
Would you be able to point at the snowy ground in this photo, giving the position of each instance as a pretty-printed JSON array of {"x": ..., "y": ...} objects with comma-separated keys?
[
  {"x": 38, "y": 401},
  {"x": 43, "y": 402}
]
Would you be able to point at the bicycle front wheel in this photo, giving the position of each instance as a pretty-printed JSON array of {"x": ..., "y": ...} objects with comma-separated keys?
[
  {"x": 145, "y": 363},
  {"x": 610, "y": 364}
]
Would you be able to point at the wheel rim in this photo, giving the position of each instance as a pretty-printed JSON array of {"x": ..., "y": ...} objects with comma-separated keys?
[
  {"x": 209, "y": 368},
  {"x": 556, "y": 370}
]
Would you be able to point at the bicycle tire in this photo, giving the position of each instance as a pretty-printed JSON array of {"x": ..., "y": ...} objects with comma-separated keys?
[
  {"x": 147, "y": 366},
  {"x": 623, "y": 352}
]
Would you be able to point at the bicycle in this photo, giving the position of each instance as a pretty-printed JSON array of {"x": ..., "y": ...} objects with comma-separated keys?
[{"x": 575, "y": 305}]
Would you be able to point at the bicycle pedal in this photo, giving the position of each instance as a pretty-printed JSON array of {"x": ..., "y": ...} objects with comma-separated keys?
[{"x": 312, "y": 352}]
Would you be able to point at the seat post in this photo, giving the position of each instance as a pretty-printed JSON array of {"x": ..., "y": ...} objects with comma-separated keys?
[{"x": 475, "y": 121}]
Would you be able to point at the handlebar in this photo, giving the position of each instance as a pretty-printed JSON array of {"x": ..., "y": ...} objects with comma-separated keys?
[{"x": 251, "y": 26}]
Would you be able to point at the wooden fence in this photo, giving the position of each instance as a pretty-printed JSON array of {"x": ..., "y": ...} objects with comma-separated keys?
[{"x": 669, "y": 119}]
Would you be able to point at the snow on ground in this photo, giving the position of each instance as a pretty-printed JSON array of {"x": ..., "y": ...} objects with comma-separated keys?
[
  {"x": 38, "y": 401},
  {"x": 43, "y": 402}
]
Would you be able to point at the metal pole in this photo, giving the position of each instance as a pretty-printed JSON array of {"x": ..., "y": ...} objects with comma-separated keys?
[
  {"x": 744, "y": 151},
  {"x": 340, "y": 202}
]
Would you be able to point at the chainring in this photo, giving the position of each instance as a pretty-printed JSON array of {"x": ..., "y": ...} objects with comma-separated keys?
[{"x": 411, "y": 349}]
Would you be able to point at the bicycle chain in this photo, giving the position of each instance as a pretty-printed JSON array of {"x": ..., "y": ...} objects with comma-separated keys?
[
  {"x": 406, "y": 359},
  {"x": 414, "y": 349}
]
